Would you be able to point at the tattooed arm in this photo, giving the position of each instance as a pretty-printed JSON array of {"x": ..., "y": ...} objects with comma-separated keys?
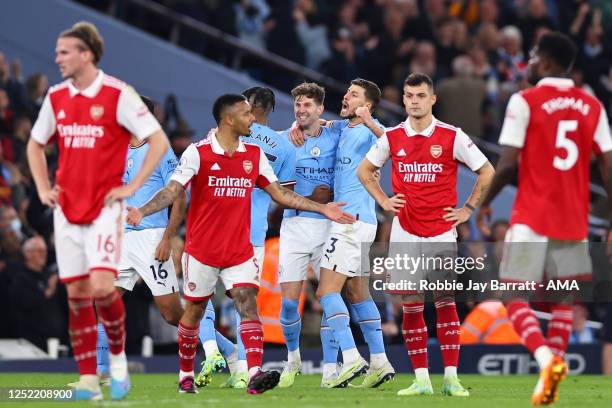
[
  {"x": 483, "y": 183},
  {"x": 288, "y": 198},
  {"x": 162, "y": 199}
]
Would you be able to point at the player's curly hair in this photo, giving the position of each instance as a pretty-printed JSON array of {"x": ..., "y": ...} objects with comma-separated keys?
[
  {"x": 89, "y": 36},
  {"x": 309, "y": 90},
  {"x": 261, "y": 97}
]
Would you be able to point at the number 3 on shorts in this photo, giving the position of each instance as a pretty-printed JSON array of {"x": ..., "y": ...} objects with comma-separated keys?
[{"x": 332, "y": 245}]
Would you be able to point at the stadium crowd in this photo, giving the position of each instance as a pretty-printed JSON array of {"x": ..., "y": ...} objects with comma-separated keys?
[{"x": 475, "y": 50}]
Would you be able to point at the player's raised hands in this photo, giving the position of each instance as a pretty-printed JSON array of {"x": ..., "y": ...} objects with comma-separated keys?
[
  {"x": 296, "y": 135},
  {"x": 134, "y": 216},
  {"x": 395, "y": 203},
  {"x": 335, "y": 213},
  {"x": 364, "y": 113},
  {"x": 457, "y": 215},
  {"x": 50, "y": 198},
  {"x": 483, "y": 220}
]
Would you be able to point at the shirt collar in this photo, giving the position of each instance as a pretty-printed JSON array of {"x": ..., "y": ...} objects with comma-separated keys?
[
  {"x": 428, "y": 131},
  {"x": 556, "y": 82},
  {"x": 217, "y": 149},
  {"x": 92, "y": 90}
]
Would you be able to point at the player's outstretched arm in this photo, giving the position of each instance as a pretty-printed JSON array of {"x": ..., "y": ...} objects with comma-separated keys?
[
  {"x": 158, "y": 145},
  {"x": 288, "y": 198},
  {"x": 38, "y": 167},
  {"x": 162, "y": 252},
  {"x": 369, "y": 175},
  {"x": 504, "y": 172},
  {"x": 162, "y": 199},
  {"x": 460, "y": 215}
]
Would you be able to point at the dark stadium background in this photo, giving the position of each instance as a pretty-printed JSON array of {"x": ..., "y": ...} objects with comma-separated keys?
[{"x": 184, "y": 53}]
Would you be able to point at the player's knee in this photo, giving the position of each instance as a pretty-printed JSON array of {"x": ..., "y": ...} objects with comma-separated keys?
[{"x": 171, "y": 316}]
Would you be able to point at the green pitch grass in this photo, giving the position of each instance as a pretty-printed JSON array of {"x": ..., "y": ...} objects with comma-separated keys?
[{"x": 159, "y": 390}]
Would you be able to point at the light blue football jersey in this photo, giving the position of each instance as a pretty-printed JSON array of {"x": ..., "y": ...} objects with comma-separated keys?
[
  {"x": 158, "y": 180},
  {"x": 281, "y": 155},
  {"x": 314, "y": 166},
  {"x": 354, "y": 144}
]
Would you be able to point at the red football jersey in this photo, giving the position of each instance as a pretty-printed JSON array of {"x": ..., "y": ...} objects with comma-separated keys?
[
  {"x": 92, "y": 128},
  {"x": 219, "y": 217},
  {"x": 557, "y": 126},
  {"x": 424, "y": 169}
]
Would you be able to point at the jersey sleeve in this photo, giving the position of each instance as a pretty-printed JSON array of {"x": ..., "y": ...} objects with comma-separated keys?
[
  {"x": 266, "y": 173},
  {"x": 466, "y": 151},
  {"x": 188, "y": 166},
  {"x": 602, "y": 137},
  {"x": 380, "y": 152},
  {"x": 515, "y": 124},
  {"x": 133, "y": 114},
  {"x": 45, "y": 124},
  {"x": 168, "y": 165},
  {"x": 286, "y": 174}
]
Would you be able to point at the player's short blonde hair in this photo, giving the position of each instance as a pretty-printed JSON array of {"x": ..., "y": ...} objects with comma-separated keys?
[{"x": 89, "y": 36}]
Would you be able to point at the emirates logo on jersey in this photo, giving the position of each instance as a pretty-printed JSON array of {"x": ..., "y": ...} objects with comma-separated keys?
[
  {"x": 96, "y": 112},
  {"x": 436, "y": 151},
  {"x": 247, "y": 165}
]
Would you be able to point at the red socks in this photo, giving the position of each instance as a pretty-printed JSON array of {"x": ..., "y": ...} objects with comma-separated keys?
[
  {"x": 111, "y": 312},
  {"x": 188, "y": 346},
  {"x": 526, "y": 325},
  {"x": 448, "y": 330},
  {"x": 252, "y": 337},
  {"x": 415, "y": 334},
  {"x": 559, "y": 329},
  {"x": 83, "y": 333}
]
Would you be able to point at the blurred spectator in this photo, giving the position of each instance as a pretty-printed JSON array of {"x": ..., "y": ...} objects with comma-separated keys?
[
  {"x": 36, "y": 88},
  {"x": 311, "y": 32},
  {"x": 424, "y": 61},
  {"x": 512, "y": 62},
  {"x": 581, "y": 333},
  {"x": 462, "y": 97},
  {"x": 6, "y": 114},
  {"x": 342, "y": 64},
  {"x": 250, "y": 17},
  {"x": 22, "y": 127},
  {"x": 537, "y": 16},
  {"x": 35, "y": 310},
  {"x": 445, "y": 46}
]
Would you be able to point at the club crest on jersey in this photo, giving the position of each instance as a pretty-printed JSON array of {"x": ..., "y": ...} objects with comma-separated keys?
[
  {"x": 96, "y": 112},
  {"x": 315, "y": 151},
  {"x": 247, "y": 165},
  {"x": 130, "y": 163},
  {"x": 436, "y": 151},
  {"x": 191, "y": 286}
]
